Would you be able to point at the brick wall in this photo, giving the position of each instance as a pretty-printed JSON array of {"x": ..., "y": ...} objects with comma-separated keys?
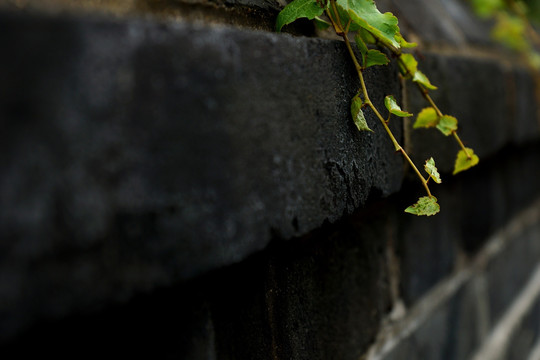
[{"x": 178, "y": 181}]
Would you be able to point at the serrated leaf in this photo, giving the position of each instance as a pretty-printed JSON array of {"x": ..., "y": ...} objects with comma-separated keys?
[
  {"x": 394, "y": 108},
  {"x": 321, "y": 24},
  {"x": 365, "y": 13},
  {"x": 463, "y": 162},
  {"x": 408, "y": 64},
  {"x": 358, "y": 114},
  {"x": 426, "y": 205},
  {"x": 404, "y": 43},
  {"x": 421, "y": 78},
  {"x": 296, "y": 10},
  {"x": 409, "y": 67},
  {"x": 432, "y": 171},
  {"x": 426, "y": 118},
  {"x": 447, "y": 124},
  {"x": 375, "y": 57}
]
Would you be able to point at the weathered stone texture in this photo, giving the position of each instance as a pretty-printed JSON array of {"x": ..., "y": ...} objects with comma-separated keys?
[
  {"x": 217, "y": 168},
  {"x": 318, "y": 297},
  {"x": 147, "y": 152}
]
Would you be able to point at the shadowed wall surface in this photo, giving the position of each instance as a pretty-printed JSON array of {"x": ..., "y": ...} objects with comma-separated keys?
[{"x": 176, "y": 180}]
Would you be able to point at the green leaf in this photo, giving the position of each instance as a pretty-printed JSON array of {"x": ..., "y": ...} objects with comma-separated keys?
[
  {"x": 358, "y": 114},
  {"x": 447, "y": 124},
  {"x": 365, "y": 13},
  {"x": 426, "y": 205},
  {"x": 366, "y": 36},
  {"x": 426, "y": 118},
  {"x": 298, "y": 9},
  {"x": 321, "y": 24},
  {"x": 485, "y": 8},
  {"x": 409, "y": 68},
  {"x": 408, "y": 65},
  {"x": 375, "y": 57},
  {"x": 404, "y": 43},
  {"x": 510, "y": 31},
  {"x": 421, "y": 78},
  {"x": 432, "y": 171},
  {"x": 463, "y": 162},
  {"x": 533, "y": 58},
  {"x": 393, "y": 107},
  {"x": 344, "y": 17}
]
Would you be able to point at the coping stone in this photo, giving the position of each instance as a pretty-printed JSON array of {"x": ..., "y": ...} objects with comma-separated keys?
[{"x": 141, "y": 153}]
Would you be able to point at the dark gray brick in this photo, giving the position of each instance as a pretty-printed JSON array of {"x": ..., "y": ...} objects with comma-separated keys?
[
  {"x": 450, "y": 332},
  {"x": 429, "y": 20},
  {"x": 328, "y": 298},
  {"x": 521, "y": 174},
  {"x": 496, "y": 191},
  {"x": 527, "y": 334},
  {"x": 525, "y": 115},
  {"x": 484, "y": 197},
  {"x": 136, "y": 154},
  {"x": 427, "y": 342},
  {"x": 474, "y": 205},
  {"x": 467, "y": 320},
  {"x": 175, "y": 323},
  {"x": 146, "y": 153},
  {"x": 507, "y": 274},
  {"x": 318, "y": 297},
  {"x": 422, "y": 239}
]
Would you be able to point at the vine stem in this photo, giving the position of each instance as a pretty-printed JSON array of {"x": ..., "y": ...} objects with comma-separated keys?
[
  {"x": 439, "y": 113},
  {"x": 343, "y": 33}
]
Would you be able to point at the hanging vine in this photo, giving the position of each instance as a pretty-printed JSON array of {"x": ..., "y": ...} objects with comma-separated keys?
[{"x": 373, "y": 29}]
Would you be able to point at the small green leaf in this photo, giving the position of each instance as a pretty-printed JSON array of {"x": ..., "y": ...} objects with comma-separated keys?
[
  {"x": 421, "y": 78},
  {"x": 298, "y": 9},
  {"x": 358, "y": 114},
  {"x": 408, "y": 64},
  {"x": 404, "y": 43},
  {"x": 409, "y": 67},
  {"x": 447, "y": 124},
  {"x": 365, "y": 13},
  {"x": 426, "y": 118},
  {"x": 375, "y": 57},
  {"x": 511, "y": 31},
  {"x": 485, "y": 8},
  {"x": 464, "y": 162},
  {"x": 393, "y": 107},
  {"x": 432, "y": 171},
  {"x": 426, "y": 205},
  {"x": 321, "y": 24}
]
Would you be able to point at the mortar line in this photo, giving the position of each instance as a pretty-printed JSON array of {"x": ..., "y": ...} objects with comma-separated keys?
[
  {"x": 495, "y": 345},
  {"x": 392, "y": 333},
  {"x": 535, "y": 352},
  {"x": 400, "y": 330}
]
